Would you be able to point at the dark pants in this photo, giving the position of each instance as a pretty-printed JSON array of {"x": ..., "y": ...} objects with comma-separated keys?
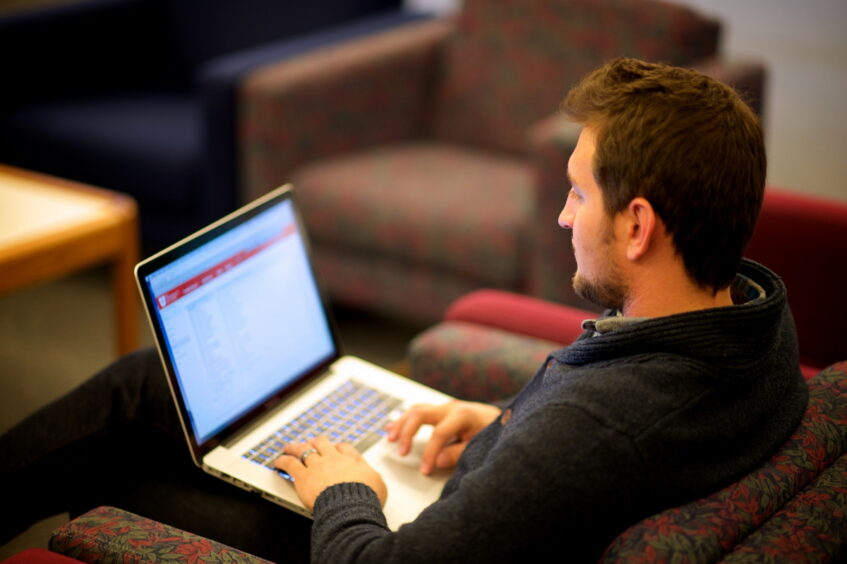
[{"x": 116, "y": 440}]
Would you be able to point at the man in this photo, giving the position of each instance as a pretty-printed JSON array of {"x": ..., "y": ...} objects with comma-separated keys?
[{"x": 688, "y": 382}]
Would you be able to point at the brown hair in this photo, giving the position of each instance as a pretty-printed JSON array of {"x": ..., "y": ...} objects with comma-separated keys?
[{"x": 686, "y": 143}]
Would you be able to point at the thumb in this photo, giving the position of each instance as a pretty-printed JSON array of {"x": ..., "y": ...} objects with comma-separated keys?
[{"x": 449, "y": 456}]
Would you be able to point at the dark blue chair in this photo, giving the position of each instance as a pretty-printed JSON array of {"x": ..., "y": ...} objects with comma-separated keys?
[{"x": 138, "y": 96}]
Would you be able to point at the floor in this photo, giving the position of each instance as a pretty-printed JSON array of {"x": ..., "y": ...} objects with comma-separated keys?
[{"x": 56, "y": 335}]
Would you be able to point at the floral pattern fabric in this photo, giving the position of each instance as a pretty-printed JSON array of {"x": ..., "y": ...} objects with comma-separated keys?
[
  {"x": 109, "y": 535},
  {"x": 476, "y": 363},
  {"x": 793, "y": 507},
  {"x": 511, "y": 61}
]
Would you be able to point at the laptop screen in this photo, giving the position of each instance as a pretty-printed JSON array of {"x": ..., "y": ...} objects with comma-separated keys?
[{"x": 241, "y": 317}]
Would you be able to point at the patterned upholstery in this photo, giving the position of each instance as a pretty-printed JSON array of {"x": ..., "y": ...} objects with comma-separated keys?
[
  {"x": 110, "y": 535},
  {"x": 476, "y": 363},
  {"x": 510, "y": 63},
  {"x": 325, "y": 102},
  {"x": 414, "y": 152},
  {"x": 456, "y": 203},
  {"x": 491, "y": 343},
  {"x": 791, "y": 509}
]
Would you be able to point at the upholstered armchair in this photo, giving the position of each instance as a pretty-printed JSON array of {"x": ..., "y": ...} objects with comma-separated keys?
[
  {"x": 428, "y": 161},
  {"x": 791, "y": 509},
  {"x": 138, "y": 96}
]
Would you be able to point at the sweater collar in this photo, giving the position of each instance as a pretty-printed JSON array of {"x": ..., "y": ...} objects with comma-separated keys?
[
  {"x": 744, "y": 290},
  {"x": 712, "y": 335}
]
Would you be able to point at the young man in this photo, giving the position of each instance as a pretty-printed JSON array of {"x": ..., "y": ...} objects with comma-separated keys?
[{"x": 688, "y": 382}]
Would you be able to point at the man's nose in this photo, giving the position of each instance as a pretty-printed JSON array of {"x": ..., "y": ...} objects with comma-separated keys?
[{"x": 566, "y": 216}]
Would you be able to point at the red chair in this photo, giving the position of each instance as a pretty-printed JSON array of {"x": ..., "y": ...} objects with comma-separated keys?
[{"x": 804, "y": 240}]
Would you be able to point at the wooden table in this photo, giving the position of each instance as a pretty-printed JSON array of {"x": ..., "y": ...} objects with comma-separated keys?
[{"x": 50, "y": 227}]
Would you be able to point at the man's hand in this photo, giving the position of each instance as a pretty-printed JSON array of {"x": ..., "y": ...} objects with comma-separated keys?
[
  {"x": 330, "y": 464},
  {"x": 455, "y": 424}
]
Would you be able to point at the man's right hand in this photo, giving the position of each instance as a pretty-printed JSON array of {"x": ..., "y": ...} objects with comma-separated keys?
[{"x": 455, "y": 424}]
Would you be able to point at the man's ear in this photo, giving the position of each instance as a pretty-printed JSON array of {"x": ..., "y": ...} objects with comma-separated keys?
[{"x": 642, "y": 226}]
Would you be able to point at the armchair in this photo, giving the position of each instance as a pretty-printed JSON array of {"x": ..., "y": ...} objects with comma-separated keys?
[
  {"x": 790, "y": 509},
  {"x": 139, "y": 95},
  {"x": 425, "y": 159}
]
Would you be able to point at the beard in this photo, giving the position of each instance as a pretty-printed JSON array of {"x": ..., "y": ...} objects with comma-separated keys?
[{"x": 610, "y": 292}]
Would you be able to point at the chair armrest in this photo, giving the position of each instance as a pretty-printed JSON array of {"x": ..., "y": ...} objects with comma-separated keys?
[
  {"x": 217, "y": 82},
  {"x": 491, "y": 343},
  {"x": 113, "y": 535},
  {"x": 347, "y": 96},
  {"x": 476, "y": 362},
  {"x": 520, "y": 314}
]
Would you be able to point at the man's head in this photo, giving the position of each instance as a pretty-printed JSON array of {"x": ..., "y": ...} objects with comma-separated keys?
[{"x": 684, "y": 144}]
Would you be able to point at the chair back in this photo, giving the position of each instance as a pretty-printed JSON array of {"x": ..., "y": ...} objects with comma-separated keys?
[
  {"x": 511, "y": 61},
  {"x": 804, "y": 240}
]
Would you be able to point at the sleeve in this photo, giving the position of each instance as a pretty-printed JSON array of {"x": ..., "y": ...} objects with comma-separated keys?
[{"x": 549, "y": 481}]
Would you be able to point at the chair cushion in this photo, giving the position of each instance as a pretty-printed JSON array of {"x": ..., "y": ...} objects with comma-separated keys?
[
  {"x": 459, "y": 210},
  {"x": 712, "y": 526},
  {"x": 412, "y": 292},
  {"x": 146, "y": 145}
]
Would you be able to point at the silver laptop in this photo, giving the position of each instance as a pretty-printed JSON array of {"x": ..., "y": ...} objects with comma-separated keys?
[{"x": 253, "y": 359}]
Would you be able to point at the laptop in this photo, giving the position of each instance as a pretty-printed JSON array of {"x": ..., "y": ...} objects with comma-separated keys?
[{"x": 253, "y": 359}]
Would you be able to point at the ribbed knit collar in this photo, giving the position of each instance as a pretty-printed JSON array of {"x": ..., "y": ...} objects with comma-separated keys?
[
  {"x": 743, "y": 290},
  {"x": 715, "y": 336}
]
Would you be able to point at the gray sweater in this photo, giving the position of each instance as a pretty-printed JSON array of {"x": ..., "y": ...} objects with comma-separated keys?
[{"x": 611, "y": 429}]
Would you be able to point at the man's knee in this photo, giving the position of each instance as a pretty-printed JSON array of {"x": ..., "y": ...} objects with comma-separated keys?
[{"x": 134, "y": 385}]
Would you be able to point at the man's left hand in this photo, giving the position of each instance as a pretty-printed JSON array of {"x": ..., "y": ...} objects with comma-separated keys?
[{"x": 327, "y": 465}]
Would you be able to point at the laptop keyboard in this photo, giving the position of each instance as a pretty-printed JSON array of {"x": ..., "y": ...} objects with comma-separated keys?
[{"x": 354, "y": 413}]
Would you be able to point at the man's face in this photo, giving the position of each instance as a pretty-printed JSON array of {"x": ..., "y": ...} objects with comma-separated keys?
[{"x": 598, "y": 277}]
